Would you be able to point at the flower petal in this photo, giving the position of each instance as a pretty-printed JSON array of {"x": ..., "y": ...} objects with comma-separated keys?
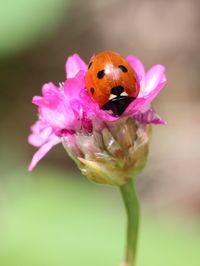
[
  {"x": 138, "y": 67},
  {"x": 154, "y": 77},
  {"x": 38, "y": 139},
  {"x": 41, "y": 132},
  {"x": 149, "y": 98},
  {"x": 155, "y": 81},
  {"x": 73, "y": 86},
  {"x": 141, "y": 103},
  {"x": 73, "y": 65},
  {"x": 37, "y": 100},
  {"x": 43, "y": 151},
  {"x": 55, "y": 106},
  {"x": 149, "y": 117}
]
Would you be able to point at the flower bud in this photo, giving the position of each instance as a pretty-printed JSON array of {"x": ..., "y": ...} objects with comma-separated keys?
[{"x": 113, "y": 152}]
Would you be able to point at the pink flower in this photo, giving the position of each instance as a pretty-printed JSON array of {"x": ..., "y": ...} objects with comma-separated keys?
[
  {"x": 68, "y": 109},
  {"x": 151, "y": 83},
  {"x": 42, "y": 136},
  {"x": 55, "y": 106}
]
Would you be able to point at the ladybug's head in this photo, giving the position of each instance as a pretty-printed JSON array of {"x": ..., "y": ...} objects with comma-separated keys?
[{"x": 111, "y": 82}]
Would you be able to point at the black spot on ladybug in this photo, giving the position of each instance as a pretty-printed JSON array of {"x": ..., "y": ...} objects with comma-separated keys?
[
  {"x": 123, "y": 68},
  {"x": 101, "y": 74},
  {"x": 92, "y": 90},
  {"x": 90, "y": 64}
]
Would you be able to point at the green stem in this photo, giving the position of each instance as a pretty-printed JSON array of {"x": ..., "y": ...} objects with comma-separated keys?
[{"x": 131, "y": 202}]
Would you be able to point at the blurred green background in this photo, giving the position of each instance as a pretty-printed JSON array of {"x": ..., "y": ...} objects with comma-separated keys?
[{"x": 54, "y": 216}]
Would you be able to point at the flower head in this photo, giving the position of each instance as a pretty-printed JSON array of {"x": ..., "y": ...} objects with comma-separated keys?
[{"x": 99, "y": 141}]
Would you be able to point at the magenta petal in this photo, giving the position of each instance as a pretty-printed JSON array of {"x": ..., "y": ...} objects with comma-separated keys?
[
  {"x": 55, "y": 108},
  {"x": 73, "y": 86},
  {"x": 38, "y": 139},
  {"x": 155, "y": 81},
  {"x": 49, "y": 87},
  {"x": 149, "y": 98},
  {"x": 41, "y": 133},
  {"x": 73, "y": 65},
  {"x": 154, "y": 77},
  {"x": 140, "y": 103},
  {"x": 37, "y": 100},
  {"x": 60, "y": 117},
  {"x": 149, "y": 117},
  {"x": 42, "y": 152},
  {"x": 136, "y": 105},
  {"x": 106, "y": 116},
  {"x": 138, "y": 67}
]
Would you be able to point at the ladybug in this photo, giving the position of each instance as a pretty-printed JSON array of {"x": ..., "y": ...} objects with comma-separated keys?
[{"x": 111, "y": 82}]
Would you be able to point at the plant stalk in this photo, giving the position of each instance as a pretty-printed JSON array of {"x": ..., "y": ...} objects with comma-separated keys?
[{"x": 131, "y": 203}]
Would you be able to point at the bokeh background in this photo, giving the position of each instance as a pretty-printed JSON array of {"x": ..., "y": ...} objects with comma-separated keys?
[{"x": 54, "y": 216}]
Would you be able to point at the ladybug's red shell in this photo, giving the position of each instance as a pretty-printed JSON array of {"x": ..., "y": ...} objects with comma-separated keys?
[{"x": 109, "y": 75}]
